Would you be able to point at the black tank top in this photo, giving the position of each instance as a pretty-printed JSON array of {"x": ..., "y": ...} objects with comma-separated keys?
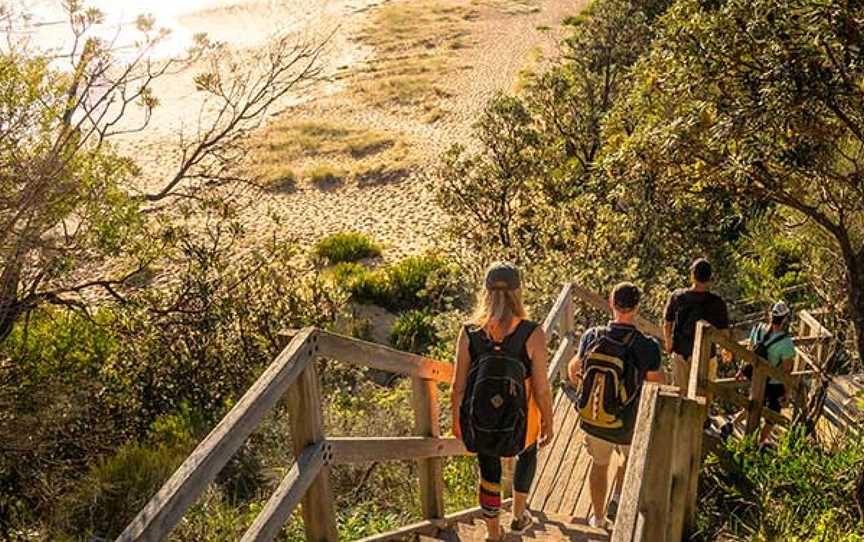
[{"x": 516, "y": 342}]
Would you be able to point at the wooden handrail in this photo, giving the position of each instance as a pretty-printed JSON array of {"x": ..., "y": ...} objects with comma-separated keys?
[
  {"x": 378, "y": 356},
  {"x": 162, "y": 513},
  {"x": 750, "y": 357},
  {"x": 559, "y": 308},
  {"x": 815, "y": 324},
  {"x": 563, "y": 355},
  {"x": 659, "y": 490},
  {"x": 288, "y": 495},
  {"x": 348, "y": 450}
]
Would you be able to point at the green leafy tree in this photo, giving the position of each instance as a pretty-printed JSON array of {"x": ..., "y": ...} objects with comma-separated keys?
[
  {"x": 70, "y": 202},
  {"x": 760, "y": 101}
]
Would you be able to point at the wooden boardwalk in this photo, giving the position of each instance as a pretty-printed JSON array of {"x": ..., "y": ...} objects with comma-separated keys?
[{"x": 561, "y": 484}]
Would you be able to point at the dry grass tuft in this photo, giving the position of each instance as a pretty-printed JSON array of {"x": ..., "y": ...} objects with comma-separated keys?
[
  {"x": 511, "y": 7},
  {"x": 415, "y": 46},
  {"x": 328, "y": 153}
]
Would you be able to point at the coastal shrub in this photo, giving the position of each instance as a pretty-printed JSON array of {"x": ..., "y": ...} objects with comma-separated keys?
[
  {"x": 117, "y": 486},
  {"x": 414, "y": 331},
  {"x": 413, "y": 283},
  {"x": 346, "y": 247},
  {"x": 800, "y": 491}
]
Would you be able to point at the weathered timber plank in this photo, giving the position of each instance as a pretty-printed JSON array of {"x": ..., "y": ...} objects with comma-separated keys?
[
  {"x": 686, "y": 460},
  {"x": 628, "y": 524},
  {"x": 815, "y": 325},
  {"x": 431, "y": 527},
  {"x": 700, "y": 361},
  {"x": 556, "y": 455},
  {"x": 657, "y": 480},
  {"x": 748, "y": 356},
  {"x": 362, "y": 449},
  {"x": 431, "y": 471},
  {"x": 377, "y": 356},
  {"x": 559, "y": 406},
  {"x": 287, "y": 496},
  {"x": 578, "y": 479},
  {"x": 558, "y": 309},
  {"x": 166, "y": 508},
  {"x": 757, "y": 399},
  {"x": 307, "y": 427},
  {"x": 562, "y": 356}
]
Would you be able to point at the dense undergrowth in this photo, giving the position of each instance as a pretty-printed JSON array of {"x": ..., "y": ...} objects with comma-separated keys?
[{"x": 802, "y": 490}]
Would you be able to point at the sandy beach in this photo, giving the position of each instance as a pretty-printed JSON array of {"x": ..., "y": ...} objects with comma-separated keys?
[{"x": 474, "y": 49}]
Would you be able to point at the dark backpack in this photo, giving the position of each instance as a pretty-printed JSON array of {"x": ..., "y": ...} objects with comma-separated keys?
[
  {"x": 762, "y": 346},
  {"x": 607, "y": 397},
  {"x": 494, "y": 411}
]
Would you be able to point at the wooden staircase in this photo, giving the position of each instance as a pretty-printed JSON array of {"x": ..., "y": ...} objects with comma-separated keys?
[{"x": 547, "y": 528}]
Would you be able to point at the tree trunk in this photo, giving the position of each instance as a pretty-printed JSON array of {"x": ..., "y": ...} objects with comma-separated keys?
[
  {"x": 855, "y": 277},
  {"x": 10, "y": 305}
]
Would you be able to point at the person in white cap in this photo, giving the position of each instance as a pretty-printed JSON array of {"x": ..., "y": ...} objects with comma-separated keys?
[{"x": 771, "y": 341}]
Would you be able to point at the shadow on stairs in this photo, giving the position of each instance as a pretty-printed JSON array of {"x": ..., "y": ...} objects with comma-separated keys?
[{"x": 547, "y": 528}]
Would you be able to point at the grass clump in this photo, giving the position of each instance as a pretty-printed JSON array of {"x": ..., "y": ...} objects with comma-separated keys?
[
  {"x": 346, "y": 247},
  {"x": 415, "y": 44},
  {"x": 325, "y": 175},
  {"x": 298, "y": 139},
  {"x": 329, "y": 152},
  {"x": 414, "y": 331},
  {"x": 413, "y": 283}
]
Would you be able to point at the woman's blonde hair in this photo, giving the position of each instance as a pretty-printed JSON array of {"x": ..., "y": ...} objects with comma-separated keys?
[{"x": 498, "y": 305}]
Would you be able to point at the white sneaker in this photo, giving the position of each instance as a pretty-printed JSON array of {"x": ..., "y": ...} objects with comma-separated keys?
[{"x": 596, "y": 523}]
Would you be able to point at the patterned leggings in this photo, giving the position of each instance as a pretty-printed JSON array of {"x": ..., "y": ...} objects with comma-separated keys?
[{"x": 490, "y": 479}]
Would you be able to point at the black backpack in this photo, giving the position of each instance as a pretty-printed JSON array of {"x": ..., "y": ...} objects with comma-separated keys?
[
  {"x": 494, "y": 411},
  {"x": 610, "y": 385},
  {"x": 762, "y": 346}
]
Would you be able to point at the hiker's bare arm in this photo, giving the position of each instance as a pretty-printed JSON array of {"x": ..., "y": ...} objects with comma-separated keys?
[
  {"x": 574, "y": 370},
  {"x": 655, "y": 376},
  {"x": 460, "y": 376},
  {"x": 540, "y": 382}
]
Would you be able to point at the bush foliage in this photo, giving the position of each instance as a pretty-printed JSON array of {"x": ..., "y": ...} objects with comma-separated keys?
[
  {"x": 414, "y": 331},
  {"x": 415, "y": 282},
  {"x": 346, "y": 247},
  {"x": 801, "y": 491}
]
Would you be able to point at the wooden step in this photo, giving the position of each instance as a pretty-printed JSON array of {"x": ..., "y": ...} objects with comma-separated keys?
[{"x": 547, "y": 528}]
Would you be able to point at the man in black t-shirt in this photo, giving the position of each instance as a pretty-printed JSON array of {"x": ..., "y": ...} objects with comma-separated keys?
[{"x": 683, "y": 311}]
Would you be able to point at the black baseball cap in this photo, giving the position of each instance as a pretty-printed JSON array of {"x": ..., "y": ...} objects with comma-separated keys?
[
  {"x": 503, "y": 276},
  {"x": 626, "y": 296},
  {"x": 701, "y": 269}
]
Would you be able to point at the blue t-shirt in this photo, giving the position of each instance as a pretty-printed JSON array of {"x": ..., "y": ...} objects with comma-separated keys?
[{"x": 779, "y": 351}]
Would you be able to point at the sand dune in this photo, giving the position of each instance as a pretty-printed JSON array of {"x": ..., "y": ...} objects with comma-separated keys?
[{"x": 400, "y": 212}]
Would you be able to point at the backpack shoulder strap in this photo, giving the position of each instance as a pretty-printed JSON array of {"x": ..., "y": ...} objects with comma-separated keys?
[
  {"x": 780, "y": 336},
  {"x": 519, "y": 338}
]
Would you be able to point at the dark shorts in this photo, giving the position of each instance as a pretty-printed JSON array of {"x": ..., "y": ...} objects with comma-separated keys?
[{"x": 774, "y": 391}]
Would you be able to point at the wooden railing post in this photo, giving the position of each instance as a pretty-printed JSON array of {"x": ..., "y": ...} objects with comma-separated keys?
[
  {"x": 426, "y": 424},
  {"x": 802, "y": 332},
  {"x": 568, "y": 329},
  {"x": 693, "y": 415},
  {"x": 307, "y": 428},
  {"x": 700, "y": 370},
  {"x": 757, "y": 399}
]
